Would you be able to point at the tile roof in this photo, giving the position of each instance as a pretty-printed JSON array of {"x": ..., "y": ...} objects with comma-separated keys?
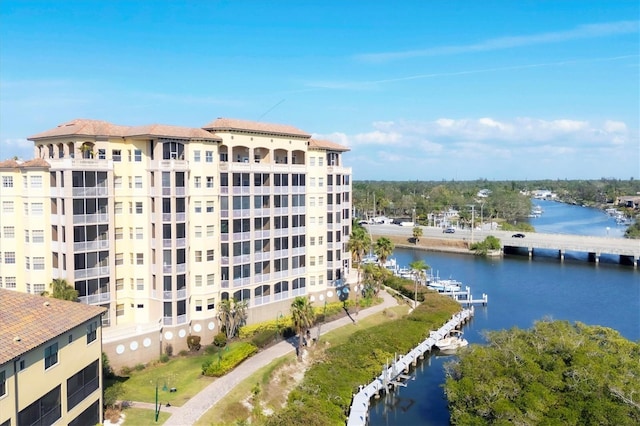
[
  {"x": 170, "y": 131},
  {"x": 230, "y": 124},
  {"x": 36, "y": 320},
  {"x": 331, "y": 146},
  {"x": 85, "y": 127},
  {"x": 13, "y": 164}
]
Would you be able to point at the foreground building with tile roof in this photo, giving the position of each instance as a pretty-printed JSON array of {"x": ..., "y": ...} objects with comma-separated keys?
[
  {"x": 50, "y": 361},
  {"x": 159, "y": 223}
]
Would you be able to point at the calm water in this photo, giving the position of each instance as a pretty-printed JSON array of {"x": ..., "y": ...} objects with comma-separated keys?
[{"x": 520, "y": 291}]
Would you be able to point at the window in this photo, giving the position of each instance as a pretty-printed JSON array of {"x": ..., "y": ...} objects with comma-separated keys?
[
  {"x": 38, "y": 263},
  {"x": 208, "y": 156},
  {"x": 313, "y": 182},
  {"x": 26, "y": 236},
  {"x": 37, "y": 209},
  {"x": 312, "y": 241},
  {"x": 198, "y": 256},
  {"x": 7, "y": 207},
  {"x": 119, "y": 259},
  {"x": 198, "y": 280},
  {"x": 117, "y": 182},
  {"x": 140, "y": 284},
  {"x": 116, "y": 155},
  {"x": 320, "y": 162},
  {"x": 139, "y": 234},
  {"x": 120, "y": 310},
  {"x": 117, "y": 207},
  {"x": 197, "y": 206},
  {"x": 82, "y": 384},
  {"x": 209, "y": 206},
  {"x": 198, "y": 232},
  {"x": 138, "y": 182},
  {"x": 3, "y": 383},
  {"x": 119, "y": 284},
  {"x": 36, "y": 182},
  {"x": 38, "y": 288},
  {"x": 9, "y": 232},
  {"x": 138, "y": 207},
  {"x": 209, "y": 181},
  {"x": 320, "y": 182},
  {"x": 210, "y": 229},
  {"x": 38, "y": 236},
  {"x": 209, "y": 255},
  {"x": 312, "y": 161},
  {"x": 9, "y": 257},
  {"x": 118, "y": 233},
  {"x": 92, "y": 331},
  {"x": 139, "y": 258},
  {"x": 102, "y": 154},
  {"x": 27, "y": 263},
  {"x": 10, "y": 282},
  {"x": 210, "y": 279},
  {"x": 137, "y": 155},
  {"x": 51, "y": 355},
  {"x": 44, "y": 411},
  {"x": 198, "y": 305},
  {"x": 196, "y": 156},
  {"x": 210, "y": 304},
  {"x": 7, "y": 181},
  {"x": 197, "y": 182}
]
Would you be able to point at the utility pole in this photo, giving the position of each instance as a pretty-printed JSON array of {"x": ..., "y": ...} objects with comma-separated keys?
[{"x": 473, "y": 212}]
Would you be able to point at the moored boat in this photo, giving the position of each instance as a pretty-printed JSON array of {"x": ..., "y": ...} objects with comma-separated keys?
[{"x": 452, "y": 343}]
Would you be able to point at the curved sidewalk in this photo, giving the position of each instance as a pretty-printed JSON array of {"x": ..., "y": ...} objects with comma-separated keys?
[{"x": 193, "y": 409}]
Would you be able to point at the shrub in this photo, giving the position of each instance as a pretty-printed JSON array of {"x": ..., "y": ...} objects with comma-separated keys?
[
  {"x": 125, "y": 371},
  {"x": 168, "y": 349},
  {"x": 107, "y": 371},
  {"x": 183, "y": 352},
  {"x": 193, "y": 342},
  {"x": 164, "y": 358},
  {"x": 112, "y": 394},
  {"x": 220, "y": 340},
  {"x": 228, "y": 359},
  {"x": 263, "y": 338},
  {"x": 139, "y": 367}
]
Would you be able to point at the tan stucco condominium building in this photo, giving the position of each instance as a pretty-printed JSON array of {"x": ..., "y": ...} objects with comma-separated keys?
[{"x": 159, "y": 223}]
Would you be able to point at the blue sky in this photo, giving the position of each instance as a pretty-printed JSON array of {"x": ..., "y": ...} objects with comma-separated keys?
[{"x": 419, "y": 90}]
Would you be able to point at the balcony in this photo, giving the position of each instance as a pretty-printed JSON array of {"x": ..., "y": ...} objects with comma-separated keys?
[
  {"x": 91, "y": 245},
  {"x": 96, "y": 191},
  {"x": 174, "y": 164},
  {"x": 182, "y": 293},
  {"x": 281, "y": 296},
  {"x": 167, "y": 321},
  {"x": 241, "y": 213},
  {"x": 182, "y": 319},
  {"x": 299, "y": 291},
  {"x": 79, "y": 219},
  {"x": 96, "y": 299},
  {"x": 240, "y": 282},
  {"x": 261, "y": 300},
  {"x": 241, "y": 190},
  {"x": 91, "y": 272},
  {"x": 224, "y": 260},
  {"x": 167, "y": 295},
  {"x": 265, "y": 255}
]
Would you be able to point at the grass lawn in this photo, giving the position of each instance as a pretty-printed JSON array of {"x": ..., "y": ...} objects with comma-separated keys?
[
  {"x": 140, "y": 416},
  {"x": 182, "y": 373}
]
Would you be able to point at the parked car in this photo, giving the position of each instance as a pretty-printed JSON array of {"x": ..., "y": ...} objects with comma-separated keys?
[
  {"x": 517, "y": 236},
  {"x": 449, "y": 231}
]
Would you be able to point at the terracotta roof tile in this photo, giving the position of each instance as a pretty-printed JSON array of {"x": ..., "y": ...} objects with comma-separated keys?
[
  {"x": 231, "y": 124},
  {"x": 13, "y": 164},
  {"x": 170, "y": 131},
  {"x": 322, "y": 144},
  {"x": 35, "y": 322}
]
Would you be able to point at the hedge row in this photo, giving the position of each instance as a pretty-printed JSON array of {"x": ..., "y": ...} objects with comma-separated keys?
[{"x": 228, "y": 358}]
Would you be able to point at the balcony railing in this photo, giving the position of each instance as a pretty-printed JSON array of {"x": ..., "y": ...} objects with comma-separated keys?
[
  {"x": 182, "y": 319},
  {"x": 91, "y": 245},
  {"x": 299, "y": 291},
  {"x": 261, "y": 300},
  {"x": 96, "y": 191},
  {"x": 96, "y": 299},
  {"x": 167, "y": 321},
  {"x": 167, "y": 295},
  {"x": 79, "y": 219},
  {"x": 182, "y": 293},
  {"x": 92, "y": 272},
  {"x": 265, "y": 255},
  {"x": 82, "y": 393},
  {"x": 281, "y": 296},
  {"x": 239, "y": 282}
]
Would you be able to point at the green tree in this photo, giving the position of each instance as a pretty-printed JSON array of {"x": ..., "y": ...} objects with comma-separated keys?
[
  {"x": 232, "y": 315},
  {"x": 302, "y": 316},
  {"x": 383, "y": 249},
  {"x": 554, "y": 373},
  {"x": 417, "y": 233},
  {"x": 490, "y": 243},
  {"x": 418, "y": 268},
  {"x": 60, "y": 289},
  {"x": 359, "y": 243}
]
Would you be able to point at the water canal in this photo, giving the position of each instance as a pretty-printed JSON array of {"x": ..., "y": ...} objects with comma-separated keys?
[{"x": 520, "y": 291}]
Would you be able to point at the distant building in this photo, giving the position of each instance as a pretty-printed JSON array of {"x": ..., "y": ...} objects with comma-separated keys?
[
  {"x": 50, "y": 361},
  {"x": 629, "y": 201},
  {"x": 543, "y": 194},
  {"x": 483, "y": 193}
]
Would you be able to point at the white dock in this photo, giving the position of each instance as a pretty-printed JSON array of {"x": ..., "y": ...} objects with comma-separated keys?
[
  {"x": 465, "y": 297},
  {"x": 396, "y": 373}
]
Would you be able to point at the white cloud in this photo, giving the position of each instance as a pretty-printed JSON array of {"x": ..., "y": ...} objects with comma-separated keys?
[{"x": 19, "y": 143}]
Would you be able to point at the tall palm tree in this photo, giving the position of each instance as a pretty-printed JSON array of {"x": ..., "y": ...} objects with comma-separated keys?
[
  {"x": 418, "y": 268},
  {"x": 383, "y": 249},
  {"x": 302, "y": 316},
  {"x": 232, "y": 315},
  {"x": 359, "y": 243}
]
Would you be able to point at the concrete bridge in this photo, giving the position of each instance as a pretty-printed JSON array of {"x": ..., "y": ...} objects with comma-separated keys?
[{"x": 627, "y": 250}]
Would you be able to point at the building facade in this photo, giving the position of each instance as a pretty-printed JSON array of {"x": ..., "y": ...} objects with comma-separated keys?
[
  {"x": 158, "y": 224},
  {"x": 50, "y": 361}
]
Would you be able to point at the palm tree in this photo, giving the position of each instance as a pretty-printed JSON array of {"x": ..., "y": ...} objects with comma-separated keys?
[
  {"x": 60, "y": 289},
  {"x": 359, "y": 242},
  {"x": 302, "y": 316},
  {"x": 232, "y": 315},
  {"x": 418, "y": 268},
  {"x": 417, "y": 233},
  {"x": 383, "y": 249},
  {"x": 373, "y": 276}
]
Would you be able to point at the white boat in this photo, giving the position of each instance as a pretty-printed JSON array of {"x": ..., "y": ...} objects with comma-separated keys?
[
  {"x": 452, "y": 343},
  {"x": 445, "y": 286}
]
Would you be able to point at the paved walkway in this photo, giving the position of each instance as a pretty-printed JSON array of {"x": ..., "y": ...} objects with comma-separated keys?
[{"x": 193, "y": 409}]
